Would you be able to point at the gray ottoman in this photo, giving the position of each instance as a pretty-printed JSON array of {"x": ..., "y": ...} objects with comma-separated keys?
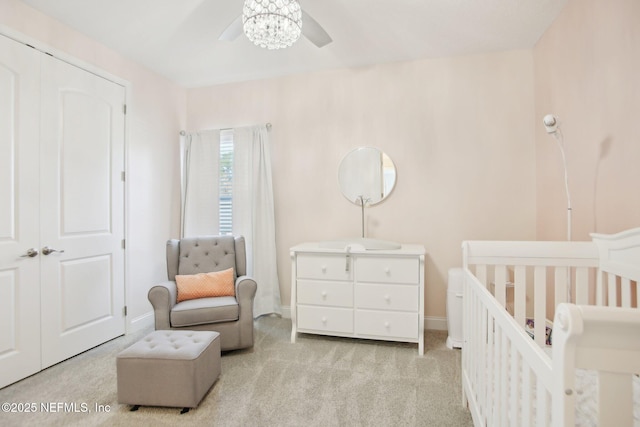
[{"x": 169, "y": 368}]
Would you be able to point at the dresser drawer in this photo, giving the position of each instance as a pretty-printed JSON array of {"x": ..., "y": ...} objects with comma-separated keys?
[
  {"x": 322, "y": 292},
  {"x": 325, "y": 319},
  {"x": 387, "y": 324},
  {"x": 324, "y": 267},
  {"x": 387, "y": 297},
  {"x": 388, "y": 270}
]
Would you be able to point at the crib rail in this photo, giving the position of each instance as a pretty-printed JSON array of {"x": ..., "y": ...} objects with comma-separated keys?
[{"x": 531, "y": 278}]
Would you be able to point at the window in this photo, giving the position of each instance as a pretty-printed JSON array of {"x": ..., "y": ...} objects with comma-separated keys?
[{"x": 225, "y": 212}]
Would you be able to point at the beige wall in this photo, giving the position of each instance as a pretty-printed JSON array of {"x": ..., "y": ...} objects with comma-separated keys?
[
  {"x": 459, "y": 130},
  {"x": 587, "y": 71},
  {"x": 155, "y": 115}
]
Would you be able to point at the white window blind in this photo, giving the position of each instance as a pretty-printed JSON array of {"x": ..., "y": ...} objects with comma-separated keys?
[{"x": 226, "y": 182}]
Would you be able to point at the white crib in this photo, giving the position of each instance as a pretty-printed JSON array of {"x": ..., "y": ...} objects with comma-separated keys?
[{"x": 510, "y": 379}]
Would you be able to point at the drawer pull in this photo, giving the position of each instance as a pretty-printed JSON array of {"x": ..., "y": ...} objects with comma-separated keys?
[
  {"x": 324, "y": 319},
  {"x": 387, "y": 324},
  {"x": 324, "y": 268},
  {"x": 387, "y": 270},
  {"x": 324, "y": 294},
  {"x": 387, "y": 298}
]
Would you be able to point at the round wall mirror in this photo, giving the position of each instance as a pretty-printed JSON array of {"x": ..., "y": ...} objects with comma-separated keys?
[{"x": 366, "y": 176}]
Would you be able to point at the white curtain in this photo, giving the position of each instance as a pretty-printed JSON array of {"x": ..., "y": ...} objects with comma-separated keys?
[
  {"x": 253, "y": 211},
  {"x": 200, "y": 172}
]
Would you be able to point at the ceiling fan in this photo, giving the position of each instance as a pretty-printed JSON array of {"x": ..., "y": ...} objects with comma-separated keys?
[{"x": 310, "y": 29}]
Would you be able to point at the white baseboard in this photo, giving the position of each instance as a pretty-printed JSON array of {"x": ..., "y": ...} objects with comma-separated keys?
[
  {"x": 430, "y": 322},
  {"x": 435, "y": 323},
  {"x": 286, "y": 311},
  {"x": 139, "y": 323}
]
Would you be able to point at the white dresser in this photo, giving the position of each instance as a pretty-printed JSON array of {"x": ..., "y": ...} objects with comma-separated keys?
[{"x": 353, "y": 292}]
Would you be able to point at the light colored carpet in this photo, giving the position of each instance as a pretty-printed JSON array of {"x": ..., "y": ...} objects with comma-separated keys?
[{"x": 318, "y": 381}]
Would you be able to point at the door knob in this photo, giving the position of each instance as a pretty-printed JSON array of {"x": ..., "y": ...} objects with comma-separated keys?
[
  {"x": 30, "y": 253},
  {"x": 47, "y": 250}
]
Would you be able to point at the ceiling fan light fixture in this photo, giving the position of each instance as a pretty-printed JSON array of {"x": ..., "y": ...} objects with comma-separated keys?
[{"x": 272, "y": 24}]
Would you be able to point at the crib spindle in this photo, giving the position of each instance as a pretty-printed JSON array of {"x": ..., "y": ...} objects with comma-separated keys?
[
  {"x": 484, "y": 358},
  {"x": 478, "y": 328},
  {"x": 540, "y": 302},
  {"x": 600, "y": 289},
  {"x": 501, "y": 284},
  {"x": 520, "y": 294},
  {"x": 541, "y": 405},
  {"x": 495, "y": 372},
  {"x": 481, "y": 274},
  {"x": 504, "y": 380},
  {"x": 498, "y": 374},
  {"x": 469, "y": 319},
  {"x": 612, "y": 294},
  {"x": 514, "y": 385},
  {"x": 526, "y": 396}
]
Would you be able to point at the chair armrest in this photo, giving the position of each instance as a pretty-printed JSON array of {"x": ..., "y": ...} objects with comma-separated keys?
[
  {"x": 163, "y": 297},
  {"x": 246, "y": 288}
]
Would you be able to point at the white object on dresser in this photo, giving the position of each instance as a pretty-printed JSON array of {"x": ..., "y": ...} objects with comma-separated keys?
[{"x": 358, "y": 293}]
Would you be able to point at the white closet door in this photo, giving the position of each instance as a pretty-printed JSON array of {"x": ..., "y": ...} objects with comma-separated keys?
[
  {"x": 81, "y": 210},
  {"x": 19, "y": 275}
]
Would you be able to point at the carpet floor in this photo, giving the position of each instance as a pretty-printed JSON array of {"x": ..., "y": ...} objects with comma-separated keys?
[{"x": 318, "y": 381}]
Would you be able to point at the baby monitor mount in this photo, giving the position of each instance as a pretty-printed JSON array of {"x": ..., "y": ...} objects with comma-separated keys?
[{"x": 552, "y": 126}]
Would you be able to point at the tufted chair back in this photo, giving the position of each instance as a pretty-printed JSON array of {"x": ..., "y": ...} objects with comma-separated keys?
[{"x": 205, "y": 254}]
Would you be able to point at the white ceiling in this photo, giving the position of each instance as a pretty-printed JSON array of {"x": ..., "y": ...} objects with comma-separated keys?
[{"x": 179, "y": 38}]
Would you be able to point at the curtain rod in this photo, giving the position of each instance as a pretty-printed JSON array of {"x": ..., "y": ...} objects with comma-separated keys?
[{"x": 268, "y": 126}]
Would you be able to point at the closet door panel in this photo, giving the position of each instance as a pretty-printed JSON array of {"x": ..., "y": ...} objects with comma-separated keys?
[
  {"x": 82, "y": 200},
  {"x": 84, "y": 173},
  {"x": 19, "y": 279},
  {"x": 83, "y": 300}
]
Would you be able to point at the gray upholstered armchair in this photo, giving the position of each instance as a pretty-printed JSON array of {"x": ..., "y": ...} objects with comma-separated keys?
[{"x": 231, "y": 316}]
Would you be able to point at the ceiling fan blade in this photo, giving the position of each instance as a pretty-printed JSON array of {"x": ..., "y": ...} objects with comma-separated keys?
[
  {"x": 313, "y": 31},
  {"x": 233, "y": 30}
]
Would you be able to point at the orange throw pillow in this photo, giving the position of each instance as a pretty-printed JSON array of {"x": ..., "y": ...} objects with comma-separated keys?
[{"x": 203, "y": 285}]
